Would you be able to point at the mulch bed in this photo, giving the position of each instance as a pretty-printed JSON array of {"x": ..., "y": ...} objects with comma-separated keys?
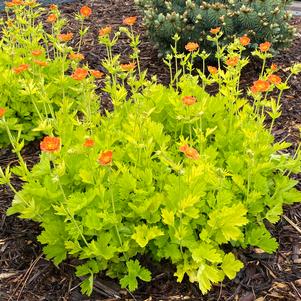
[{"x": 25, "y": 274}]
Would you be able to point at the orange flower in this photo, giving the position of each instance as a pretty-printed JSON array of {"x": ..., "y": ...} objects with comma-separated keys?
[
  {"x": 274, "y": 67},
  {"x": 232, "y": 61},
  {"x": 9, "y": 4},
  {"x": 264, "y": 47},
  {"x": 128, "y": 67},
  {"x": 65, "y": 37},
  {"x": 245, "y": 40},
  {"x": 76, "y": 56},
  {"x": 20, "y": 68},
  {"x": 79, "y": 74},
  {"x": 104, "y": 31},
  {"x": 41, "y": 63},
  {"x": 85, "y": 11},
  {"x": 2, "y": 112},
  {"x": 51, "y": 18},
  {"x": 37, "y": 52},
  {"x": 129, "y": 20},
  {"x": 50, "y": 144},
  {"x": 215, "y": 30},
  {"x": 189, "y": 100},
  {"x": 53, "y": 7},
  {"x": 189, "y": 152},
  {"x": 96, "y": 73},
  {"x": 191, "y": 46},
  {"x": 260, "y": 86},
  {"x": 89, "y": 142},
  {"x": 212, "y": 70},
  {"x": 274, "y": 79},
  {"x": 105, "y": 158}
]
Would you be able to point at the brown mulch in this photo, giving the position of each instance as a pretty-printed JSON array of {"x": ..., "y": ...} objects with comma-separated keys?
[{"x": 25, "y": 274}]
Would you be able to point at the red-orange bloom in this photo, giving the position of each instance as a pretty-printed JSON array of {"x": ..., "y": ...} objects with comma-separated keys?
[
  {"x": 104, "y": 31},
  {"x": 50, "y": 144},
  {"x": 41, "y": 63},
  {"x": 79, "y": 74},
  {"x": 128, "y": 67},
  {"x": 191, "y": 46},
  {"x": 274, "y": 67},
  {"x": 130, "y": 20},
  {"x": 2, "y": 112},
  {"x": 85, "y": 11},
  {"x": 51, "y": 18},
  {"x": 215, "y": 30},
  {"x": 96, "y": 73},
  {"x": 260, "y": 86},
  {"x": 89, "y": 142},
  {"x": 53, "y": 7},
  {"x": 76, "y": 56},
  {"x": 189, "y": 100},
  {"x": 274, "y": 79},
  {"x": 37, "y": 52},
  {"x": 232, "y": 61},
  {"x": 245, "y": 40},
  {"x": 65, "y": 37},
  {"x": 189, "y": 152},
  {"x": 105, "y": 158},
  {"x": 20, "y": 68},
  {"x": 212, "y": 70},
  {"x": 264, "y": 47}
]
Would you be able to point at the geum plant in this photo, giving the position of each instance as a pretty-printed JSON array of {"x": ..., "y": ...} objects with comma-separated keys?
[
  {"x": 172, "y": 173},
  {"x": 40, "y": 72}
]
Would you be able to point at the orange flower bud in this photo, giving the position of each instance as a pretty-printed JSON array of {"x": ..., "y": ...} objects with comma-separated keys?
[
  {"x": 85, "y": 11},
  {"x": 264, "y": 47},
  {"x": 232, "y": 61},
  {"x": 2, "y": 112},
  {"x": 104, "y": 31},
  {"x": 21, "y": 68},
  {"x": 191, "y": 46},
  {"x": 89, "y": 142},
  {"x": 41, "y": 63},
  {"x": 65, "y": 37},
  {"x": 53, "y": 7},
  {"x": 96, "y": 73},
  {"x": 130, "y": 21},
  {"x": 79, "y": 74},
  {"x": 212, "y": 70},
  {"x": 105, "y": 158},
  {"x": 128, "y": 67},
  {"x": 50, "y": 144},
  {"x": 189, "y": 100},
  {"x": 37, "y": 52},
  {"x": 260, "y": 86},
  {"x": 189, "y": 152},
  {"x": 274, "y": 79},
  {"x": 274, "y": 67},
  {"x": 51, "y": 18},
  {"x": 215, "y": 30},
  {"x": 76, "y": 56},
  {"x": 245, "y": 40}
]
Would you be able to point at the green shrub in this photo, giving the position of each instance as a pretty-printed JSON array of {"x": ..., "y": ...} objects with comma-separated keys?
[
  {"x": 261, "y": 20},
  {"x": 173, "y": 173}
]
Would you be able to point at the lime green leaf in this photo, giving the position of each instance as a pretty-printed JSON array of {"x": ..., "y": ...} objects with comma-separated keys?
[
  {"x": 143, "y": 234},
  {"x": 231, "y": 266},
  {"x": 134, "y": 271},
  {"x": 168, "y": 217},
  {"x": 206, "y": 275}
]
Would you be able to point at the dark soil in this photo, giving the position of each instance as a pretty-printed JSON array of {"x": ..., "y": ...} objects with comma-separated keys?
[{"x": 25, "y": 274}]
